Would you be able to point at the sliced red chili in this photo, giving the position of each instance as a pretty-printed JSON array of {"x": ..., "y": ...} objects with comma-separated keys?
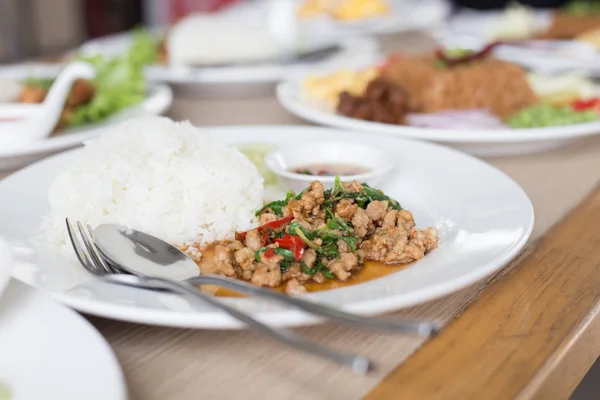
[
  {"x": 240, "y": 236},
  {"x": 268, "y": 253},
  {"x": 453, "y": 61},
  {"x": 589, "y": 104},
  {"x": 293, "y": 243},
  {"x": 277, "y": 223},
  {"x": 273, "y": 225},
  {"x": 265, "y": 238}
]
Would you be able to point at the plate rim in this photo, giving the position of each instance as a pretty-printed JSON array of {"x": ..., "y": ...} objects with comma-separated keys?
[
  {"x": 290, "y": 317},
  {"x": 6, "y": 265}
]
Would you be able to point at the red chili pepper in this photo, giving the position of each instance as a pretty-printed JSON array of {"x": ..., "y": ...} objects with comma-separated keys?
[
  {"x": 440, "y": 54},
  {"x": 293, "y": 243},
  {"x": 273, "y": 225},
  {"x": 276, "y": 224},
  {"x": 265, "y": 238},
  {"x": 589, "y": 104},
  {"x": 268, "y": 253}
]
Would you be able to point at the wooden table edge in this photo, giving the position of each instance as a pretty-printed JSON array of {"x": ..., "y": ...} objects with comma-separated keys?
[{"x": 532, "y": 334}]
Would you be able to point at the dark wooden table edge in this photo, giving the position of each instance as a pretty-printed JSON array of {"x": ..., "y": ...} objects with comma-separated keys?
[{"x": 572, "y": 358}]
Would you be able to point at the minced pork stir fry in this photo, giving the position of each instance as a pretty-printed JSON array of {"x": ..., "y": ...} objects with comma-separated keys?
[{"x": 323, "y": 234}]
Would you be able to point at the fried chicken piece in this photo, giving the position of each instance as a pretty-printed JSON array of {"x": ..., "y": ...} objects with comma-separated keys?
[
  {"x": 294, "y": 288},
  {"x": 268, "y": 272},
  {"x": 223, "y": 261},
  {"x": 253, "y": 240},
  {"x": 345, "y": 209},
  {"x": 376, "y": 210},
  {"x": 244, "y": 258},
  {"x": 343, "y": 266},
  {"x": 362, "y": 223}
]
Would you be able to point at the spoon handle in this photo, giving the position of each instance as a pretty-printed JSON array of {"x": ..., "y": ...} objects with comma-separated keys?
[
  {"x": 358, "y": 363},
  {"x": 421, "y": 328}
]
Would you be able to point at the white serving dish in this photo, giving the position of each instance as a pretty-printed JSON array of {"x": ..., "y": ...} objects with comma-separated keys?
[
  {"x": 375, "y": 161},
  {"x": 483, "y": 217}
]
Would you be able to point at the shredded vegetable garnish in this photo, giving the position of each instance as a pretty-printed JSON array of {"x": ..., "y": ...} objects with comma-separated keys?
[{"x": 256, "y": 153}]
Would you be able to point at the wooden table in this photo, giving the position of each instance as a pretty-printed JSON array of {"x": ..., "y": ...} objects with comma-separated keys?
[{"x": 533, "y": 333}]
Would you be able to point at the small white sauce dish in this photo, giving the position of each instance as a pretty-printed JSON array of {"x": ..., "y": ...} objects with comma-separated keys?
[{"x": 283, "y": 161}]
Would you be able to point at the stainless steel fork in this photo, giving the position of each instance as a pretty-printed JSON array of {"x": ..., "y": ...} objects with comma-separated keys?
[{"x": 90, "y": 257}]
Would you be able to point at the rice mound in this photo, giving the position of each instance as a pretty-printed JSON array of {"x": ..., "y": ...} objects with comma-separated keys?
[{"x": 162, "y": 177}]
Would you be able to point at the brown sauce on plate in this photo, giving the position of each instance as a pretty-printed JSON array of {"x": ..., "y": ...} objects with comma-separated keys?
[{"x": 369, "y": 271}]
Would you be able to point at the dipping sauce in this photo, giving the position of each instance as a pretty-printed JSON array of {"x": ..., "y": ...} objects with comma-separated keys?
[{"x": 330, "y": 170}]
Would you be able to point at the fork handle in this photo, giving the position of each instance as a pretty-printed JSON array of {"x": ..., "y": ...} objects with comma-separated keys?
[
  {"x": 359, "y": 364},
  {"x": 422, "y": 328}
]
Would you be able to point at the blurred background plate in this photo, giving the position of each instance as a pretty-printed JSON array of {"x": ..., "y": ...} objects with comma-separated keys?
[
  {"x": 404, "y": 16},
  {"x": 481, "y": 142},
  {"x": 240, "y": 81}
]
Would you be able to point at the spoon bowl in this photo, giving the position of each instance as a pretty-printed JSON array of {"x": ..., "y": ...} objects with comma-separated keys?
[{"x": 142, "y": 254}]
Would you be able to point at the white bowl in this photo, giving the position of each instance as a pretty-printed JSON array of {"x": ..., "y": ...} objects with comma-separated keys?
[{"x": 281, "y": 161}]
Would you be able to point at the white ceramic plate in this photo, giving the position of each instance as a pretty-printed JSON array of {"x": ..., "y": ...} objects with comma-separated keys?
[
  {"x": 473, "y": 29},
  {"x": 405, "y": 15},
  {"x": 483, "y": 217},
  {"x": 157, "y": 101},
  {"x": 482, "y": 142},
  {"x": 5, "y": 265},
  {"x": 51, "y": 352}
]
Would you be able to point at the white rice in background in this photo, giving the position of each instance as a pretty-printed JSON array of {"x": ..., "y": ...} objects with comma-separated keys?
[{"x": 161, "y": 177}]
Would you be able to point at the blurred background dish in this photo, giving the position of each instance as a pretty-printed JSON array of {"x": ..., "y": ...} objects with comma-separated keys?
[
  {"x": 429, "y": 97},
  {"x": 549, "y": 40},
  {"x": 360, "y": 17},
  {"x": 237, "y": 79},
  {"x": 112, "y": 106}
]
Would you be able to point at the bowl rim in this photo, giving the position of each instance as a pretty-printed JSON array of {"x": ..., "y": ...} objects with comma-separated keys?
[{"x": 386, "y": 159}]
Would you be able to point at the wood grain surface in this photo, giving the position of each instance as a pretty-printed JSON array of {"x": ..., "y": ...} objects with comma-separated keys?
[{"x": 533, "y": 333}]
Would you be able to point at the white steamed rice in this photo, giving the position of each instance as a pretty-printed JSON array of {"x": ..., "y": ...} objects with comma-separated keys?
[{"x": 161, "y": 177}]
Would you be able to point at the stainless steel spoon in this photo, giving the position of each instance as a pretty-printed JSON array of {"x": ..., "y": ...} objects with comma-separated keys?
[{"x": 145, "y": 255}]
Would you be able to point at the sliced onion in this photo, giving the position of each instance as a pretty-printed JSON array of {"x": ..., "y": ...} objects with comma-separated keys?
[{"x": 456, "y": 119}]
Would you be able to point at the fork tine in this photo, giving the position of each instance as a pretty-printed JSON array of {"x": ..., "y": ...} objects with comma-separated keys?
[
  {"x": 95, "y": 259},
  {"x": 98, "y": 254},
  {"x": 81, "y": 254}
]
